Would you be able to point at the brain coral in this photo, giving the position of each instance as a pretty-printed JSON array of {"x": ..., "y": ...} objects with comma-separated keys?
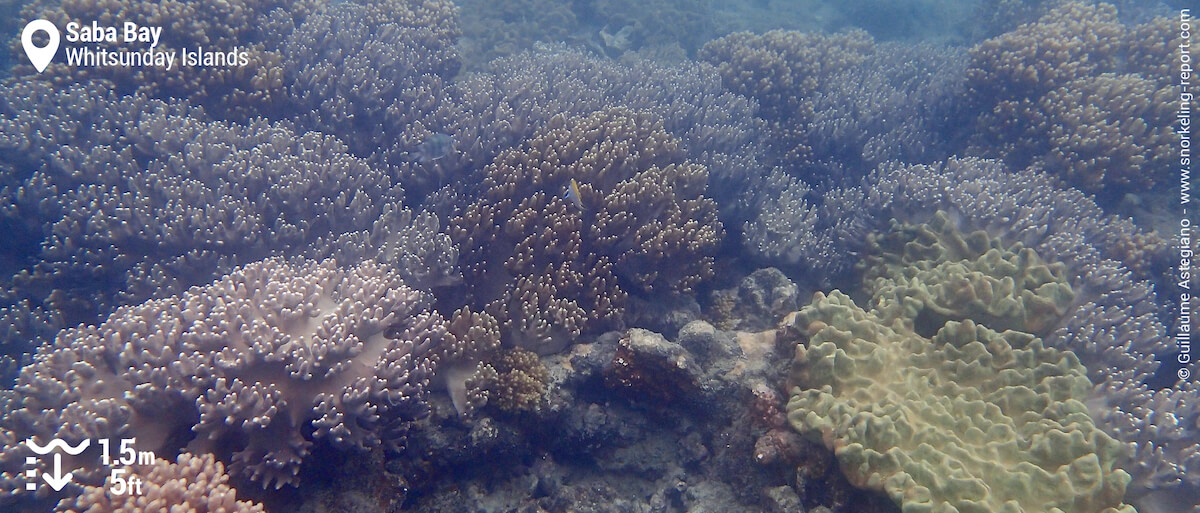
[
  {"x": 257, "y": 367},
  {"x": 966, "y": 420},
  {"x": 931, "y": 273},
  {"x": 548, "y": 267}
]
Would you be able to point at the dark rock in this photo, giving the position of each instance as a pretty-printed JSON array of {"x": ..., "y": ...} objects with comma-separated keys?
[
  {"x": 664, "y": 315},
  {"x": 649, "y": 367},
  {"x": 783, "y": 499},
  {"x": 757, "y": 304}
]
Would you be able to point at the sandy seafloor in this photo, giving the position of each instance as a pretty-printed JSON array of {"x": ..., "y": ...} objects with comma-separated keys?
[{"x": 598, "y": 256}]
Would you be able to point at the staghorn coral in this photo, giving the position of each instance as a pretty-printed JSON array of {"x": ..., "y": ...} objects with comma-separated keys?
[
  {"x": 197, "y": 483},
  {"x": 548, "y": 269},
  {"x": 515, "y": 382},
  {"x": 370, "y": 72},
  {"x": 781, "y": 69},
  {"x": 1081, "y": 94},
  {"x": 931, "y": 273},
  {"x": 516, "y": 97},
  {"x": 968, "y": 419},
  {"x": 233, "y": 92},
  {"x": 258, "y": 366},
  {"x": 129, "y": 198}
]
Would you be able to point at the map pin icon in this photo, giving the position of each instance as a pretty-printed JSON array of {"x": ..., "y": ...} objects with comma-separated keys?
[{"x": 40, "y": 57}]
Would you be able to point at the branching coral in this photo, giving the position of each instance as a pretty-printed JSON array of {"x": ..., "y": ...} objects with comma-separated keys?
[
  {"x": 212, "y": 25},
  {"x": 368, "y": 72},
  {"x": 549, "y": 268},
  {"x": 130, "y": 198},
  {"x": 1080, "y": 93},
  {"x": 517, "y": 96},
  {"x": 1109, "y": 131},
  {"x": 517, "y": 381},
  {"x": 863, "y": 115},
  {"x": 261, "y": 365},
  {"x": 197, "y": 483},
  {"x": 781, "y": 69}
]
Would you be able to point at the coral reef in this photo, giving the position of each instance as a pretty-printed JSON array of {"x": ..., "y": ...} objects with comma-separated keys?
[
  {"x": 258, "y": 365},
  {"x": 371, "y": 72},
  {"x": 862, "y": 116},
  {"x": 930, "y": 274},
  {"x": 1115, "y": 324},
  {"x": 496, "y": 29},
  {"x": 418, "y": 247},
  {"x": 517, "y": 96},
  {"x": 253, "y": 268},
  {"x": 517, "y": 381},
  {"x": 1072, "y": 41},
  {"x": 239, "y": 92},
  {"x": 967, "y": 419},
  {"x": 758, "y": 302},
  {"x": 650, "y": 368},
  {"x": 781, "y": 69},
  {"x": 1082, "y": 94},
  {"x": 197, "y": 483},
  {"x": 549, "y": 269},
  {"x": 1108, "y": 131},
  {"x": 127, "y": 198}
]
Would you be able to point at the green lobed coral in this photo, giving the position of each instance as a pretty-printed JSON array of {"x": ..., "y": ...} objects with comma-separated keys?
[
  {"x": 927, "y": 274},
  {"x": 968, "y": 420}
]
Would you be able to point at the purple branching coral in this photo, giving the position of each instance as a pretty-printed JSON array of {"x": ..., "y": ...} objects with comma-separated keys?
[
  {"x": 549, "y": 268},
  {"x": 124, "y": 198},
  {"x": 515, "y": 97},
  {"x": 256, "y": 367},
  {"x": 1081, "y": 93},
  {"x": 371, "y": 73}
]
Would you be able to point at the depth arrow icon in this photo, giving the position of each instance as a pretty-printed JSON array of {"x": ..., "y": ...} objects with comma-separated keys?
[{"x": 58, "y": 480}]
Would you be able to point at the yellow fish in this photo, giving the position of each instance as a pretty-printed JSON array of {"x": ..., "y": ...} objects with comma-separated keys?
[{"x": 572, "y": 195}]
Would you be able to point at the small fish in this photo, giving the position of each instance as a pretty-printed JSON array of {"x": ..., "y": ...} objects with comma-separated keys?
[
  {"x": 572, "y": 195},
  {"x": 435, "y": 147},
  {"x": 618, "y": 40}
]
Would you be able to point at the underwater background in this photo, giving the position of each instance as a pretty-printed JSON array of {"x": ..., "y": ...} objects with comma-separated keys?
[{"x": 603, "y": 256}]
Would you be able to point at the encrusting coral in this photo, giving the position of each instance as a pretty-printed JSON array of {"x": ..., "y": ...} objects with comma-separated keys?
[
  {"x": 966, "y": 420},
  {"x": 932, "y": 273},
  {"x": 549, "y": 267}
]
